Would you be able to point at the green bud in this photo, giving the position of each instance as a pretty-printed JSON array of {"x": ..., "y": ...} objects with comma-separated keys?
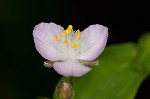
[{"x": 65, "y": 91}]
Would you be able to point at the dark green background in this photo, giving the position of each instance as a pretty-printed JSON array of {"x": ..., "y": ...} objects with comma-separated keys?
[{"x": 22, "y": 75}]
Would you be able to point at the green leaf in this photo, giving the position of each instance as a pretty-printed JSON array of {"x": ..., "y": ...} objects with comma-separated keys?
[
  {"x": 143, "y": 59},
  {"x": 121, "y": 70}
]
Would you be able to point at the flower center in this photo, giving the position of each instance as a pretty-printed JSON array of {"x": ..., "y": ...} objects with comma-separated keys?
[
  {"x": 69, "y": 37},
  {"x": 68, "y": 43}
]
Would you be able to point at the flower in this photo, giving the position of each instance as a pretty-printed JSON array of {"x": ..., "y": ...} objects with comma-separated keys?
[{"x": 66, "y": 48}]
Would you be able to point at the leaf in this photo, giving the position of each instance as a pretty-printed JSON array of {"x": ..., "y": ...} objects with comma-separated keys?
[
  {"x": 143, "y": 61},
  {"x": 121, "y": 70}
]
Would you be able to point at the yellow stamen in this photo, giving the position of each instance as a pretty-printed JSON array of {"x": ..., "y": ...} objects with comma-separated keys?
[
  {"x": 65, "y": 32},
  {"x": 75, "y": 45},
  {"x": 69, "y": 27},
  {"x": 77, "y": 34},
  {"x": 56, "y": 37},
  {"x": 66, "y": 41}
]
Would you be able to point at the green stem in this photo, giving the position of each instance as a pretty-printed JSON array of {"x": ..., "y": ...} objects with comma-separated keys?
[{"x": 71, "y": 81}]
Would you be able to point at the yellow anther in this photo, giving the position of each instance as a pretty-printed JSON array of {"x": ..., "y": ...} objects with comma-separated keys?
[
  {"x": 66, "y": 41},
  {"x": 75, "y": 45},
  {"x": 56, "y": 37},
  {"x": 69, "y": 27},
  {"x": 65, "y": 32},
  {"x": 77, "y": 34}
]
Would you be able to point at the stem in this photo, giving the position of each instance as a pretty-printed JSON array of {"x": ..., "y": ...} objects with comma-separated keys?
[{"x": 71, "y": 81}]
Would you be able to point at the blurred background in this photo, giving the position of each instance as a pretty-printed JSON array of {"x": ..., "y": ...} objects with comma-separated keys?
[{"x": 22, "y": 74}]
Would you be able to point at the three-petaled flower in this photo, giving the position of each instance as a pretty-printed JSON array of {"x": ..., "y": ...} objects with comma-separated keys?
[{"x": 66, "y": 48}]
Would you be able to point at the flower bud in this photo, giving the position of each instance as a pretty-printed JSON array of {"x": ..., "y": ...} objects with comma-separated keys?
[{"x": 65, "y": 91}]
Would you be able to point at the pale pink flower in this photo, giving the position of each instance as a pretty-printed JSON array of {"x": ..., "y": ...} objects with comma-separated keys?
[{"x": 65, "y": 48}]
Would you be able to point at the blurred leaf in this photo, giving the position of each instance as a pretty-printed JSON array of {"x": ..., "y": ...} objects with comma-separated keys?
[
  {"x": 143, "y": 59},
  {"x": 122, "y": 69}
]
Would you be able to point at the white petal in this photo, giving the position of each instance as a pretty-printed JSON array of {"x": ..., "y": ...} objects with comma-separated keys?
[
  {"x": 93, "y": 40},
  {"x": 70, "y": 68},
  {"x": 45, "y": 44}
]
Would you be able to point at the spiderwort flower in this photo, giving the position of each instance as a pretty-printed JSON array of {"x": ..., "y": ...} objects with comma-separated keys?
[{"x": 67, "y": 48}]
